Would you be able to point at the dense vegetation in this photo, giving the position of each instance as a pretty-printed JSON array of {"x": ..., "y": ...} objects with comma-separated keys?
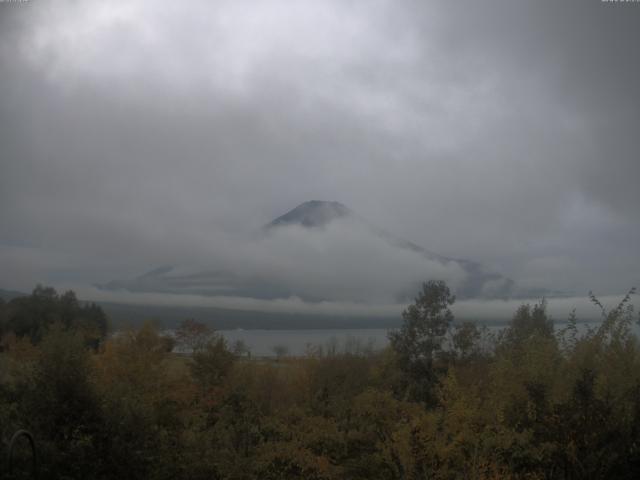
[{"x": 445, "y": 400}]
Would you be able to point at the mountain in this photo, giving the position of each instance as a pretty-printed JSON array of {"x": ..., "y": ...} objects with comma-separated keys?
[
  {"x": 321, "y": 251},
  {"x": 7, "y": 295},
  {"x": 311, "y": 214},
  {"x": 318, "y": 213}
]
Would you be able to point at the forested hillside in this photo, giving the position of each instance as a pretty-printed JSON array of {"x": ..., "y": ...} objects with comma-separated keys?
[{"x": 444, "y": 400}]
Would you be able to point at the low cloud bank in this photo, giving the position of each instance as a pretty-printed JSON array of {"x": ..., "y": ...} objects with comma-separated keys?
[
  {"x": 342, "y": 262},
  {"x": 476, "y": 309}
]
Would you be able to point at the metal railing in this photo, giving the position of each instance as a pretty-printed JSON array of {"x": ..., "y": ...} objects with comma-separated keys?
[{"x": 11, "y": 444}]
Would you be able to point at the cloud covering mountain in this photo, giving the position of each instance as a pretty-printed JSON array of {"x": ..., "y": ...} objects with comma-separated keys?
[
  {"x": 323, "y": 251},
  {"x": 136, "y": 135}
]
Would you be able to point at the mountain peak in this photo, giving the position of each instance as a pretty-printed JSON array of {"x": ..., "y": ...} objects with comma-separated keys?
[{"x": 313, "y": 213}]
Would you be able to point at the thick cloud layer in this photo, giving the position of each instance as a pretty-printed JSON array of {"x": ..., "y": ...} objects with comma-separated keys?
[
  {"x": 136, "y": 135},
  {"x": 344, "y": 261}
]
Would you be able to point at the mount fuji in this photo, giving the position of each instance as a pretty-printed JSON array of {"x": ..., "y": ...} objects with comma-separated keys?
[{"x": 322, "y": 251}]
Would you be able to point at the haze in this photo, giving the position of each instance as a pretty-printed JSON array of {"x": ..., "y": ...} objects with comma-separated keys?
[{"x": 139, "y": 134}]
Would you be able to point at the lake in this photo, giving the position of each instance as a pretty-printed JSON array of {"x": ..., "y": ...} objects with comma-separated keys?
[
  {"x": 261, "y": 343},
  {"x": 296, "y": 342}
]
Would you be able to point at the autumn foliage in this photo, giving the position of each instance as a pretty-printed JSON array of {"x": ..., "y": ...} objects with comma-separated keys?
[{"x": 444, "y": 401}]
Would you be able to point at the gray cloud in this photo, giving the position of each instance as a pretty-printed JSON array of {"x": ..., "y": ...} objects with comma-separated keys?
[
  {"x": 136, "y": 135},
  {"x": 344, "y": 261}
]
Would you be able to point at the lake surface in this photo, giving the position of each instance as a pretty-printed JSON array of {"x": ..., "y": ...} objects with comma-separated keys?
[
  {"x": 262, "y": 343},
  {"x": 297, "y": 342}
]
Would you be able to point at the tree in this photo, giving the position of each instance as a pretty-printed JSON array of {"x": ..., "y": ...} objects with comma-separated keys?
[
  {"x": 62, "y": 405},
  {"x": 241, "y": 349},
  {"x": 192, "y": 335},
  {"x": 465, "y": 339},
  {"x": 280, "y": 351},
  {"x": 140, "y": 404},
  {"x": 33, "y": 315},
  {"x": 212, "y": 362},
  {"x": 3, "y": 318},
  {"x": 529, "y": 321},
  {"x": 419, "y": 339}
]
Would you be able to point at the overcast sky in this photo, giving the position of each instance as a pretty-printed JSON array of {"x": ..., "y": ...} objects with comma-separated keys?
[{"x": 138, "y": 133}]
